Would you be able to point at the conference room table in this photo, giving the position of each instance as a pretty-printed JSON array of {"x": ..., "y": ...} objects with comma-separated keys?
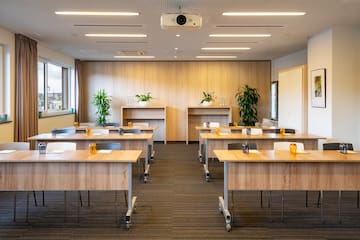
[
  {"x": 114, "y": 129},
  {"x": 263, "y": 142},
  {"x": 128, "y": 141},
  {"x": 228, "y": 129},
  {"x": 69, "y": 171},
  {"x": 314, "y": 170}
]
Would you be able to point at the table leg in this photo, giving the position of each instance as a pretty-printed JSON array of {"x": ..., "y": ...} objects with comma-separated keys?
[
  {"x": 206, "y": 165},
  {"x": 224, "y": 202},
  {"x": 131, "y": 199},
  {"x": 147, "y": 166},
  {"x": 199, "y": 153}
]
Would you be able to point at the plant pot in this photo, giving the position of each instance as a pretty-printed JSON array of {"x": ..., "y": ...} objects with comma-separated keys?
[
  {"x": 143, "y": 103},
  {"x": 3, "y": 117},
  {"x": 205, "y": 103}
]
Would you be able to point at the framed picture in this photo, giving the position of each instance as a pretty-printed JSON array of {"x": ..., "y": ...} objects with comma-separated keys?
[{"x": 318, "y": 88}]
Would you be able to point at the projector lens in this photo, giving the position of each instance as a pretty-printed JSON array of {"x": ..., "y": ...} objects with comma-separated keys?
[{"x": 181, "y": 19}]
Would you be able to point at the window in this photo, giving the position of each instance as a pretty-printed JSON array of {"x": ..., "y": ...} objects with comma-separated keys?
[
  {"x": 274, "y": 100},
  {"x": 54, "y": 87},
  {"x": 2, "y": 80}
]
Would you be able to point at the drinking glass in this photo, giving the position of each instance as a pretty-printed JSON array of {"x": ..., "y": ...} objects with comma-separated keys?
[
  {"x": 293, "y": 148},
  {"x": 92, "y": 148},
  {"x": 88, "y": 131}
]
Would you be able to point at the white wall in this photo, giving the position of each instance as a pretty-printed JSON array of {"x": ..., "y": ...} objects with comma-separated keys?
[
  {"x": 294, "y": 59},
  {"x": 320, "y": 55},
  {"x": 293, "y": 98},
  {"x": 337, "y": 50},
  {"x": 54, "y": 56},
  {"x": 346, "y": 77}
]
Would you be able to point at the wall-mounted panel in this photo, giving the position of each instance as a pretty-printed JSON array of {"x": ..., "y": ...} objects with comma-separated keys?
[{"x": 176, "y": 85}]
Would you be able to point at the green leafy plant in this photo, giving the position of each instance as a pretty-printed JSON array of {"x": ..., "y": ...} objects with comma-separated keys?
[
  {"x": 247, "y": 100},
  {"x": 144, "y": 97},
  {"x": 208, "y": 97},
  {"x": 102, "y": 103}
]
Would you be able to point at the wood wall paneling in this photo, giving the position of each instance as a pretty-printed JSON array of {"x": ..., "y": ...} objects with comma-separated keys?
[{"x": 176, "y": 85}]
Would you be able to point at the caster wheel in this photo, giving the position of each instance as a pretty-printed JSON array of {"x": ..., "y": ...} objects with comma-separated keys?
[
  {"x": 128, "y": 226},
  {"x": 228, "y": 227}
]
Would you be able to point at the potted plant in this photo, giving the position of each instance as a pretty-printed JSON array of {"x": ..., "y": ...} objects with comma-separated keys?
[
  {"x": 143, "y": 99},
  {"x": 102, "y": 103},
  {"x": 247, "y": 101},
  {"x": 208, "y": 98}
]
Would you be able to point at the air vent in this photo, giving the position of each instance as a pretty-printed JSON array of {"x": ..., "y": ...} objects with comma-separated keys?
[
  {"x": 216, "y": 42},
  {"x": 108, "y": 25},
  {"x": 120, "y": 42},
  {"x": 132, "y": 52},
  {"x": 249, "y": 26}
]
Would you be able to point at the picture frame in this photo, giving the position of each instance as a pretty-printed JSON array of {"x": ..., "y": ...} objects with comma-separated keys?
[{"x": 318, "y": 88}]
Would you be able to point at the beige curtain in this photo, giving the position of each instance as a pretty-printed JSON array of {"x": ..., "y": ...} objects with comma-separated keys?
[{"x": 26, "y": 112}]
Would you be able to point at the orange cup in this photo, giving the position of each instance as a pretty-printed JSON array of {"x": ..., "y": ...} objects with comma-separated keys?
[
  {"x": 282, "y": 131},
  {"x": 92, "y": 148},
  {"x": 217, "y": 131},
  {"x": 293, "y": 148},
  {"x": 76, "y": 124},
  {"x": 130, "y": 124},
  {"x": 235, "y": 124},
  {"x": 88, "y": 131}
]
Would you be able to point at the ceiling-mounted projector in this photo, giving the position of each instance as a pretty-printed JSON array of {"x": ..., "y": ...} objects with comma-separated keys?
[{"x": 180, "y": 20}]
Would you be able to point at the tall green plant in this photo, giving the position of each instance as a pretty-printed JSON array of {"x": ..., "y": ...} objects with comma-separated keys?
[
  {"x": 247, "y": 101},
  {"x": 102, "y": 103}
]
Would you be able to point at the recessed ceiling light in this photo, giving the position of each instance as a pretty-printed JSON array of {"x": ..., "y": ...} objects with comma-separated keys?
[
  {"x": 81, "y": 13},
  {"x": 176, "y": 49},
  {"x": 143, "y": 57},
  {"x": 240, "y": 35},
  {"x": 177, "y": 35},
  {"x": 263, "y": 13},
  {"x": 114, "y": 35},
  {"x": 204, "y": 56},
  {"x": 225, "y": 48},
  {"x": 175, "y": 56}
]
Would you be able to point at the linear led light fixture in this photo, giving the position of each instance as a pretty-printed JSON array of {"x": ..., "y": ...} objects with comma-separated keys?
[
  {"x": 134, "y": 57},
  {"x": 263, "y": 13},
  {"x": 225, "y": 48},
  {"x": 115, "y": 35},
  {"x": 81, "y": 13},
  {"x": 204, "y": 56},
  {"x": 240, "y": 35}
]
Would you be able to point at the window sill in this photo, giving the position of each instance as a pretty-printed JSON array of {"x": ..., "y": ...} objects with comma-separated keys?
[
  {"x": 55, "y": 114},
  {"x": 5, "y": 122}
]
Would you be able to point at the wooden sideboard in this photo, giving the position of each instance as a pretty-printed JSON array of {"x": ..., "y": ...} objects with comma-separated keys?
[
  {"x": 197, "y": 115},
  {"x": 154, "y": 115}
]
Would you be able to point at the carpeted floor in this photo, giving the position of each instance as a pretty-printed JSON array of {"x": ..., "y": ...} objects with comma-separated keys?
[{"x": 177, "y": 203}]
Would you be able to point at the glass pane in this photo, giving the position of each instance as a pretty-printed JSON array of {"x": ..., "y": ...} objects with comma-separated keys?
[
  {"x": 41, "y": 86},
  {"x": 274, "y": 100},
  {"x": 2, "y": 82},
  {"x": 54, "y": 87}
]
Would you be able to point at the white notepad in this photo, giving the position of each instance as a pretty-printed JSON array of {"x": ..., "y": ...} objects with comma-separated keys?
[
  {"x": 6, "y": 151},
  {"x": 106, "y": 151}
]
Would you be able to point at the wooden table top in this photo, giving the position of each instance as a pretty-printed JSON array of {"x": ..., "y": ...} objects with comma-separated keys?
[
  {"x": 271, "y": 156},
  {"x": 33, "y": 156},
  {"x": 113, "y": 128},
  {"x": 232, "y": 127},
  {"x": 261, "y": 136},
  {"x": 83, "y": 137}
]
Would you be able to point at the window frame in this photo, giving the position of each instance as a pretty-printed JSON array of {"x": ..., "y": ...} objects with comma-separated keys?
[
  {"x": 66, "y": 91},
  {"x": 274, "y": 105}
]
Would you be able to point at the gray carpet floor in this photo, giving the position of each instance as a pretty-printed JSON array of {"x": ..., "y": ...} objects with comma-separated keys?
[{"x": 177, "y": 203}]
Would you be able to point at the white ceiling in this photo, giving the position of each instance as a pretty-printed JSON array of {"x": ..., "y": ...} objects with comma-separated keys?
[{"x": 36, "y": 19}]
